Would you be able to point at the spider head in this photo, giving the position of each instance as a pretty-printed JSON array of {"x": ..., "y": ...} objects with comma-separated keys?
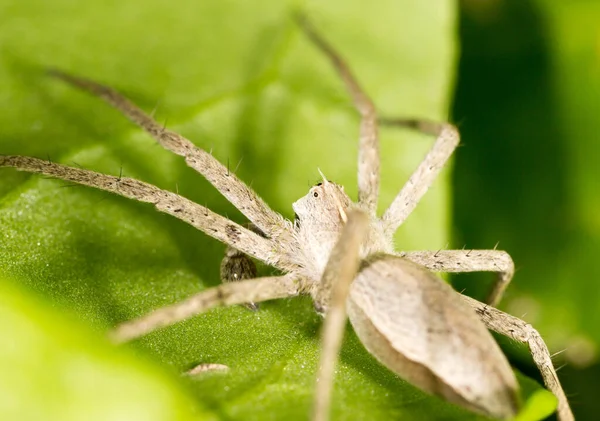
[
  {"x": 320, "y": 217},
  {"x": 323, "y": 207}
]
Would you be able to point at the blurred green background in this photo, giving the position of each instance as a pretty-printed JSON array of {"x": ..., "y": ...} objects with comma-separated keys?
[
  {"x": 239, "y": 79},
  {"x": 528, "y": 105}
]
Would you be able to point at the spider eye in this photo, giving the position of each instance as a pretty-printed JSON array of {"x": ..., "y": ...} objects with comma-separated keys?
[{"x": 315, "y": 194}]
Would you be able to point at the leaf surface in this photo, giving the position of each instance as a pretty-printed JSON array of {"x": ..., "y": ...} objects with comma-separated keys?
[{"x": 238, "y": 79}]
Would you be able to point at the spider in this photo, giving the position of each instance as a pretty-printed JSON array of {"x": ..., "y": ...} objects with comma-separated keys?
[{"x": 341, "y": 254}]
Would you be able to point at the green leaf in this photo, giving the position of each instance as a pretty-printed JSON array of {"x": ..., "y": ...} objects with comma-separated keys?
[
  {"x": 239, "y": 79},
  {"x": 53, "y": 367}
]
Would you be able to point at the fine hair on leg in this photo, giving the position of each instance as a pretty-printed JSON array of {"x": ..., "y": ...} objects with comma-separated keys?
[
  {"x": 521, "y": 331},
  {"x": 251, "y": 290},
  {"x": 368, "y": 149},
  {"x": 238, "y": 193},
  {"x": 194, "y": 214},
  {"x": 342, "y": 267},
  {"x": 460, "y": 261}
]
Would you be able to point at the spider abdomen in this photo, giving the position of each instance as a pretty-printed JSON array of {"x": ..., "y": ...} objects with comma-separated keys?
[{"x": 418, "y": 326}]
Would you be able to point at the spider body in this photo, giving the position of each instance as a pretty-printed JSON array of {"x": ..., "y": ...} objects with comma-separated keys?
[
  {"x": 428, "y": 335},
  {"x": 410, "y": 320}
]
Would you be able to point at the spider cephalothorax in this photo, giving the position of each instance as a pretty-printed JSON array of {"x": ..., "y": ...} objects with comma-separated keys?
[{"x": 321, "y": 214}]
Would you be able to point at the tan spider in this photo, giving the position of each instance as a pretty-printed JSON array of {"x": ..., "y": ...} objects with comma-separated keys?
[{"x": 341, "y": 253}]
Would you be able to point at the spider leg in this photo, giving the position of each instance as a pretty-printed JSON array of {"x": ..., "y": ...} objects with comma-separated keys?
[
  {"x": 368, "y": 155},
  {"x": 515, "y": 328},
  {"x": 368, "y": 152},
  {"x": 330, "y": 297},
  {"x": 251, "y": 290},
  {"x": 238, "y": 193},
  {"x": 469, "y": 261},
  {"x": 423, "y": 177},
  {"x": 196, "y": 215}
]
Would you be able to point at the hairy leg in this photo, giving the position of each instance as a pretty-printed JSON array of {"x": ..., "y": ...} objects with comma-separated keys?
[
  {"x": 423, "y": 177},
  {"x": 469, "y": 261},
  {"x": 238, "y": 193},
  {"x": 369, "y": 159},
  {"x": 330, "y": 298},
  {"x": 251, "y": 290},
  {"x": 196, "y": 215},
  {"x": 368, "y": 152},
  {"x": 517, "y": 329}
]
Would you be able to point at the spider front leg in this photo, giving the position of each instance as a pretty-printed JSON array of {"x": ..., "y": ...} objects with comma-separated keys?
[
  {"x": 251, "y": 290},
  {"x": 517, "y": 329},
  {"x": 424, "y": 176},
  {"x": 458, "y": 261},
  {"x": 196, "y": 215},
  {"x": 368, "y": 153},
  {"x": 330, "y": 296},
  {"x": 234, "y": 190},
  {"x": 368, "y": 150}
]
